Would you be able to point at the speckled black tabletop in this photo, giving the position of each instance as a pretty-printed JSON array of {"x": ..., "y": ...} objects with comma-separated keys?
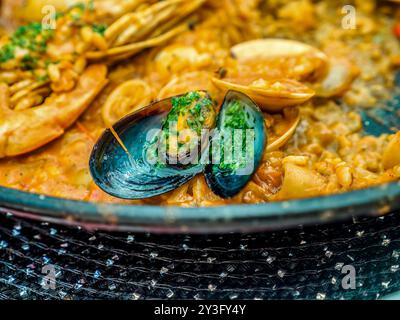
[{"x": 306, "y": 262}]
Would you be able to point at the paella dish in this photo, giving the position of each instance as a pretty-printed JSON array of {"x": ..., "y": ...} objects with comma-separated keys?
[{"x": 83, "y": 85}]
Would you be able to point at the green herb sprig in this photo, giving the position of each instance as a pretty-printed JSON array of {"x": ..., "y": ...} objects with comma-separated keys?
[{"x": 32, "y": 37}]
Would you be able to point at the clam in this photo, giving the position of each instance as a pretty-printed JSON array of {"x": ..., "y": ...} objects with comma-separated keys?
[
  {"x": 133, "y": 158},
  {"x": 272, "y": 95},
  {"x": 339, "y": 78},
  {"x": 299, "y": 59},
  {"x": 273, "y": 47},
  {"x": 241, "y": 133},
  {"x": 276, "y": 68},
  {"x": 290, "y": 122}
]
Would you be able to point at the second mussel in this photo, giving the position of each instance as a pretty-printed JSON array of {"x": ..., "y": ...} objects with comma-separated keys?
[{"x": 164, "y": 145}]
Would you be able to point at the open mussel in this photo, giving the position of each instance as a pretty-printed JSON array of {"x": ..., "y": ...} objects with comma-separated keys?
[
  {"x": 164, "y": 145},
  {"x": 127, "y": 162},
  {"x": 239, "y": 145}
]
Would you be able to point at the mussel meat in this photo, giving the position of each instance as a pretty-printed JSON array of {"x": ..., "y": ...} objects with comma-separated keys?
[{"x": 186, "y": 127}]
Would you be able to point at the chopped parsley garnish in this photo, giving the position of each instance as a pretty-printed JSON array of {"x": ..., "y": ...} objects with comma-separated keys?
[
  {"x": 236, "y": 118},
  {"x": 80, "y": 5},
  {"x": 59, "y": 15},
  {"x": 77, "y": 10},
  {"x": 31, "y": 37},
  {"x": 28, "y": 62},
  {"x": 99, "y": 28},
  {"x": 193, "y": 106},
  {"x": 42, "y": 78},
  {"x": 7, "y": 52},
  {"x": 182, "y": 128},
  {"x": 179, "y": 103},
  {"x": 83, "y": 6}
]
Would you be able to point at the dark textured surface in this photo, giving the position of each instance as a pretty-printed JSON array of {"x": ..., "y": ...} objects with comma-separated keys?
[{"x": 299, "y": 263}]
